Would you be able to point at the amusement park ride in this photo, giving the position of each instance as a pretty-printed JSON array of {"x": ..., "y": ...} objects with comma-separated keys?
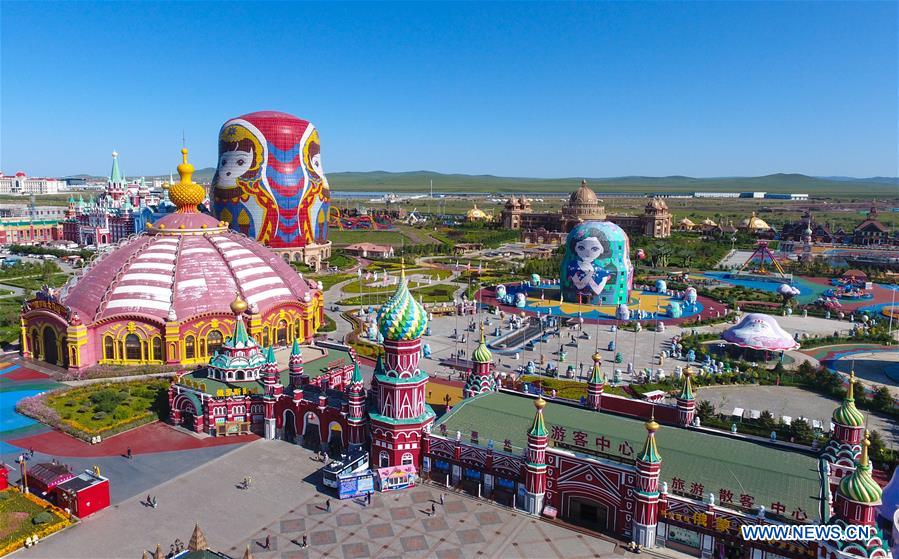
[
  {"x": 355, "y": 220},
  {"x": 762, "y": 264}
]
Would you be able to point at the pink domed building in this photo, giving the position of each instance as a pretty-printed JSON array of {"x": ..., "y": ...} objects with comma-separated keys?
[{"x": 163, "y": 297}]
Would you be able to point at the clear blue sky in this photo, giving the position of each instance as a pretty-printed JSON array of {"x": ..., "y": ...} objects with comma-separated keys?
[{"x": 548, "y": 90}]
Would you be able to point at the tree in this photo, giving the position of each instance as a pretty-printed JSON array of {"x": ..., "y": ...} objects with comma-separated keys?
[
  {"x": 766, "y": 421},
  {"x": 801, "y": 430},
  {"x": 705, "y": 410},
  {"x": 883, "y": 399},
  {"x": 859, "y": 393}
]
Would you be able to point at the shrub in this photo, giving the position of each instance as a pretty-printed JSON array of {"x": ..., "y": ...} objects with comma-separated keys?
[
  {"x": 107, "y": 400},
  {"x": 42, "y": 518},
  {"x": 99, "y": 415}
]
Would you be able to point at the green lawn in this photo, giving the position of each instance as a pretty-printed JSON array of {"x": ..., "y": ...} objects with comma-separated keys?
[
  {"x": 35, "y": 283},
  {"x": 21, "y": 517},
  {"x": 329, "y": 279},
  {"x": 341, "y": 260},
  {"x": 343, "y": 238},
  {"x": 442, "y": 293},
  {"x": 98, "y": 408}
]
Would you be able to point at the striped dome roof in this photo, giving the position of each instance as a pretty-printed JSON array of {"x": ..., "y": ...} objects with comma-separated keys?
[
  {"x": 859, "y": 486},
  {"x": 481, "y": 354},
  {"x": 847, "y": 414},
  {"x": 402, "y": 318},
  {"x": 183, "y": 275}
]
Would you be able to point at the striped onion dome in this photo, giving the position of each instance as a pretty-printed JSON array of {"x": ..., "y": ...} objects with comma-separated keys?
[
  {"x": 482, "y": 353},
  {"x": 847, "y": 414},
  {"x": 859, "y": 486},
  {"x": 402, "y": 318},
  {"x": 650, "y": 451}
]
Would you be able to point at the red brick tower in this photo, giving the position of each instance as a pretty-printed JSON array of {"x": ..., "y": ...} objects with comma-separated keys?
[
  {"x": 535, "y": 465},
  {"x": 686, "y": 401},
  {"x": 646, "y": 495},
  {"x": 596, "y": 384},
  {"x": 295, "y": 366},
  {"x": 857, "y": 501},
  {"x": 402, "y": 413},
  {"x": 356, "y": 413}
]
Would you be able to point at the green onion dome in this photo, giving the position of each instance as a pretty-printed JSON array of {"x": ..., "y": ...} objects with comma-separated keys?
[
  {"x": 847, "y": 414},
  {"x": 859, "y": 486},
  {"x": 482, "y": 353},
  {"x": 402, "y": 318}
]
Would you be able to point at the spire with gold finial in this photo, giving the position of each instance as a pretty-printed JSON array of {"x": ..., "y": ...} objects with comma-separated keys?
[
  {"x": 859, "y": 486},
  {"x": 186, "y": 194},
  {"x": 597, "y": 377},
  {"x": 197, "y": 539},
  {"x": 481, "y": 354},
  {"x": 847, "y": 414},
  {"x": 686, "y": 392},
  {"x": 650, "y": 452},
  {"x": 538, "y": 429}
]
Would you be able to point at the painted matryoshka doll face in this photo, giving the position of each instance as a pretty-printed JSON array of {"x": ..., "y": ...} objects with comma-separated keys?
[
  {"x": 233, "y": 164},
  {"x": 588, "y": 249}
]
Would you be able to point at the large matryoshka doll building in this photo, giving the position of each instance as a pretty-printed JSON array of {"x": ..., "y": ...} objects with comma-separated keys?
[
  {"x": 399, "y": 386},
  {"x": 164, "y": 296},
  {"x": 269, "y": 185}
]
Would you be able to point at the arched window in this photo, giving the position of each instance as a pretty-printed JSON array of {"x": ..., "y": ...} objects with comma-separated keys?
[
  {"x": 190, "y": 347},
  {"x": 109, "y": 347},
  {"x": 383, "y": 460},
  {"x": 282, "y": 332},
  {"x": 407, "y": 458},
  {"x": 265, "y": 337},
  {"x": 214, "y": 341},
  {"x": 132, "y": 347},
  {"x": 157, "y": 349},
  {"x": 296, "y": 329}
]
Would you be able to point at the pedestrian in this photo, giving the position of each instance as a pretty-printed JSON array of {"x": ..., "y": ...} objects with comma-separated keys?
[
  {"x": 149, "y": 500},
  {"x": 31, "y": 451},
  {"x": 442, "y": 499},
  {"x": 367, "y": 499},
  {"x": 268, "y": 541},
  {"x": 304, "y": 539},
  {"x": 328, "y": 505},
  {"x": 433, "y": 509},
  {"x": 128, "y": 453},
  {"x": 154, "y": 502}
]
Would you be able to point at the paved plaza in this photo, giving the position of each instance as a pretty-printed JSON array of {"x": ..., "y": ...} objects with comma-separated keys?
[{"x": 283, "y": 504}]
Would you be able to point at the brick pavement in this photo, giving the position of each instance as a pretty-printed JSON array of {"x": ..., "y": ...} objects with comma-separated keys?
[{"x": 284, "y": 503}]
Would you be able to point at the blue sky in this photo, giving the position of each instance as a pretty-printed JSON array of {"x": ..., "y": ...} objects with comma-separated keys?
[{"x": 544, "y": 90}]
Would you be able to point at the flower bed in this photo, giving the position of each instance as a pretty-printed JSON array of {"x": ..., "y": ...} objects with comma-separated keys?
[
  {"x": 24, "y": 516},
  {"x": 101, "y": 409}
]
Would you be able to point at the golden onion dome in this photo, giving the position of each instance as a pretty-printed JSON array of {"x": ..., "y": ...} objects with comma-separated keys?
[
  {"x": 238, "y": 305},
  {"x": 186, "y": 194},
  {"x": 754, "y": 223}
]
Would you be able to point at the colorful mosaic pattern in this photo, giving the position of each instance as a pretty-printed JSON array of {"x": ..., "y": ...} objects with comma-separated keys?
[{"x": 269, "y": 183}]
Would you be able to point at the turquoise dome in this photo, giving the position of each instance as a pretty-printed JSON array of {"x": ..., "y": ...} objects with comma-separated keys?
[{"x": 402, "y": 318}]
